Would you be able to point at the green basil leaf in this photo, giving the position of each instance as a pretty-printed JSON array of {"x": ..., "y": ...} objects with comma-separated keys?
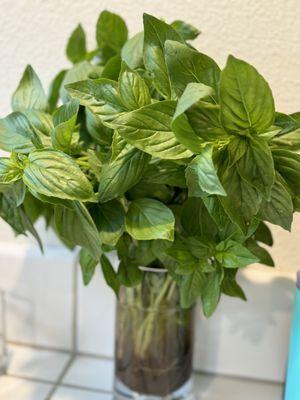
[
  {"x": 156, "y": 32},
  {"x": 100, "y": 133},
  {"x": 110, "y": 275},
  {"x": 112, "y": 68},
  {"x": 166, "y": 172},
  {"x": 245, "y": 97},
  {"x": 279, "y": 209},
  {"x": 122, "y": 173},
  {"x": 191, "y": 287},
  {"x": 109, "y": 219},
  {"x": 151, "y": 190},
  {"x": 231, "y": 254},
  {"x": 149, "y": 219},
  {"x": 149, "y": 129},
  {"x": 261, "y": 253},
  {"x": 29, "y": 93},
  {"x": 15, "y": 193},
  {"x": 76, "y": 227},
  {"x": 187, "y": 31},
  {"x": 16, "y": 133},
  {"x": 88, "y": 266},
  {"x": 256, "y": 166},
  {"x": 111, "y": 31},
  {"x": 133, "y": 90},
  {"x": 10, "y": 170},
  {"x": 201, "y": 175},
  {"x": 76, "y": 46},
  {"x": 55, "y": 88},
  {"x": 230, "y": 287},
  {"x": 263, "y": 234},
  {"x": 187, "y": 65},
  {"x": 132, "y": 51},
  {"x": 100, "y": 95},
  {"x": 53, "y": 173},
  {"x": 129, "y": 273},
  {"x": 211, "y": 293},
  {"x": 64, "y": 120},
  {"x": 41, "y": 123},
  {"x": 287, "y": 163}
]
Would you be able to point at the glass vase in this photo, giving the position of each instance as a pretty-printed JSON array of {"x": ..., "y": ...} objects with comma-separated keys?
[{"x": 154, "y": 341}]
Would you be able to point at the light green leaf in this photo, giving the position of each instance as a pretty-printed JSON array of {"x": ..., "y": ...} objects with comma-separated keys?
[
  {"x": 109, "y": 219},
  {"x": 110, "y": 275},
  {"x": 112, "y": 68},
  {"x": 132, "y": 51},
  {"x": 10, "y": 170},
  {"x": 41, "y": 123},
  {"x": 191, "y": 287},
  {"x": 122, "y": 173},
  {"x": 100, "y": 133},
  {"x": 64, "y": 120},
  {"x": 29, "y": 93},
  {"x": 16, "y": 133},
  {"x": 187, "y": 31},
  {"x": 279, "y": 209},
  {"x": 55, "y": 88},
  {"x": 149, "y": 129},
  {"x": 201, "y": 175},
  {"x": 53, "y": 173},
  {"x": 256, "y": 166},
  {"x": 246, "y": 98},
  {"x": 101, "y": 96},
  {"x": 187, "y": 65},
  {"x": 156, "y": 33},
  {"x": 76, "y": 227},
  {"x": 133, "y": 90},
  {"x": 111, "y": 31},
  {"x": 211, "y": 292},
  {"x": 231, "y": 254},
  {"x": 76, "y": 47},
  {"x": 88, "y": 266},
  {"x": 149, "y": 219}
]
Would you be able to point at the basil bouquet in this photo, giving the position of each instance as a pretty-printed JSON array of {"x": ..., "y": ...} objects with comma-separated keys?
[{"x": 155, "y": 152}]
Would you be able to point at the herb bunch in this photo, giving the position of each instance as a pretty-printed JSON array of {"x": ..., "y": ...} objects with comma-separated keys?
[{"x": 156, "y": 153}]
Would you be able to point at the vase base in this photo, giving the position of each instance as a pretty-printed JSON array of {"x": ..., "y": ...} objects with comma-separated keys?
[{"x": 122, "y": 392}]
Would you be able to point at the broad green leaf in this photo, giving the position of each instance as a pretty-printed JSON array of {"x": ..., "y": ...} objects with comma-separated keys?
[
  {"x": 53, "y": 173},
  {"x": 100, "y": 133},
  {"x": 80, "y": 72},
  {"x": 261, "y": 253},
  {"x": 41, "y": 123},
  {"x": 211, "y": 292},
  {"x": 88, "y": 266},
  {"x": 112, "y": 68},
  {"x": 111, "y": 31},
  {"x": 149, "y": 129},
  {"x": 279, "y": 209},
  {"x": 230, "y": 287},
  {"x": 64, "y": 120},
  {"x": 133, "y": 90},
  {"x": 149, "y": 219},
  {"x": 16, "y": 133},
  {"x": 256, "y": 166},
  {"x": 287, "y": 123},
  {"x": 15, "y": 193},
  {"x": 187, "y": 65},
  {"x": 55, "y": 90},
  {"x": 10, "y": 170},
  {"x": 242, "y": 201},
  {"x": 110, "y": 275},
  {"x": 29, "y": 93},
  {"x": 195, "y": 219},
  {"x": 109, "y": 219},
  {"x": 166, "y": 172},
  {"x": 129, "y": 273},
  {"x": 187, "y": 31},
  {"x": 156, "y": 33},
  {"x": 231, "y": 254},
  {"x": 76, "y": 227},
  {"x": 263, "y": 234},
  {"x": 76, "y": 46},
  {"x": 245, "y": 97},
  {"x": 132, "y": 51},
  {"x": 201, "y": 175},
  {"x": 101, "y": 96},
  {"x": 191, "y": 287},
  {"x": 143, "y": 254},
  {"x": 287, "y": 163},
  {"x": 151, "y": 190},
  {"x": 122, "y": 173}
]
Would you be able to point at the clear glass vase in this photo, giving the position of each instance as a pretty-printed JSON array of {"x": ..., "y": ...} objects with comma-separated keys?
[{"x": 154, "y": 341}]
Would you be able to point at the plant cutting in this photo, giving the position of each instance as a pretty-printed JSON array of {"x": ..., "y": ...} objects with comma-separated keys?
[{"x": 147, "y": 148}]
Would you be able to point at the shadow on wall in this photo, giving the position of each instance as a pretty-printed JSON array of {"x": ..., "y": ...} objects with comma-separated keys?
[{"x": 249, "y": 339}]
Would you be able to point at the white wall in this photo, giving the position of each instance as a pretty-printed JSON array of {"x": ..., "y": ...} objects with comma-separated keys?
[{"x": 249, "y": 340}]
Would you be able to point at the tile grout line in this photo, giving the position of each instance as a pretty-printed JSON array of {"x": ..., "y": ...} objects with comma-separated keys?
[{"x": 73, "y": 328}]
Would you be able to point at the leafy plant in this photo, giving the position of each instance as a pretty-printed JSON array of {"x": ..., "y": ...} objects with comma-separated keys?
[{"x": 147, "y": 147}]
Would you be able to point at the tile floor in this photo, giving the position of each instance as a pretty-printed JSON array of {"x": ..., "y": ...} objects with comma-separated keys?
[{"x": 39, "y": 374}]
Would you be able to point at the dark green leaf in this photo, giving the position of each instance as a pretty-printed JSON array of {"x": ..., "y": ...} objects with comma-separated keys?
[
  {"x": 187, "y": 31},
  {"x": 149, "y": 219},
  {"x": 191, "y": 287},
  {"x": 129, "y": 273},
  {"x": 211, "y": 292},
  {"x": 110, "y": 275},
  {"x": 16, "y": 133},
  {"x": 88, "y": 266},
  {"x": 262, "y": 254},
  {"x": 166, "y": 172},
  {"x": 112, "y": 68},
  {"x": 55, "y": 89},
  {"x": 76, "y": 47},
  {"x": 111, "y": 31},
  {"x": 230, "y": 287},
  {"x": 287, "y": 163},
  {"x": 263, "y": 234},
  {"x": 196, "y": 220}
]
